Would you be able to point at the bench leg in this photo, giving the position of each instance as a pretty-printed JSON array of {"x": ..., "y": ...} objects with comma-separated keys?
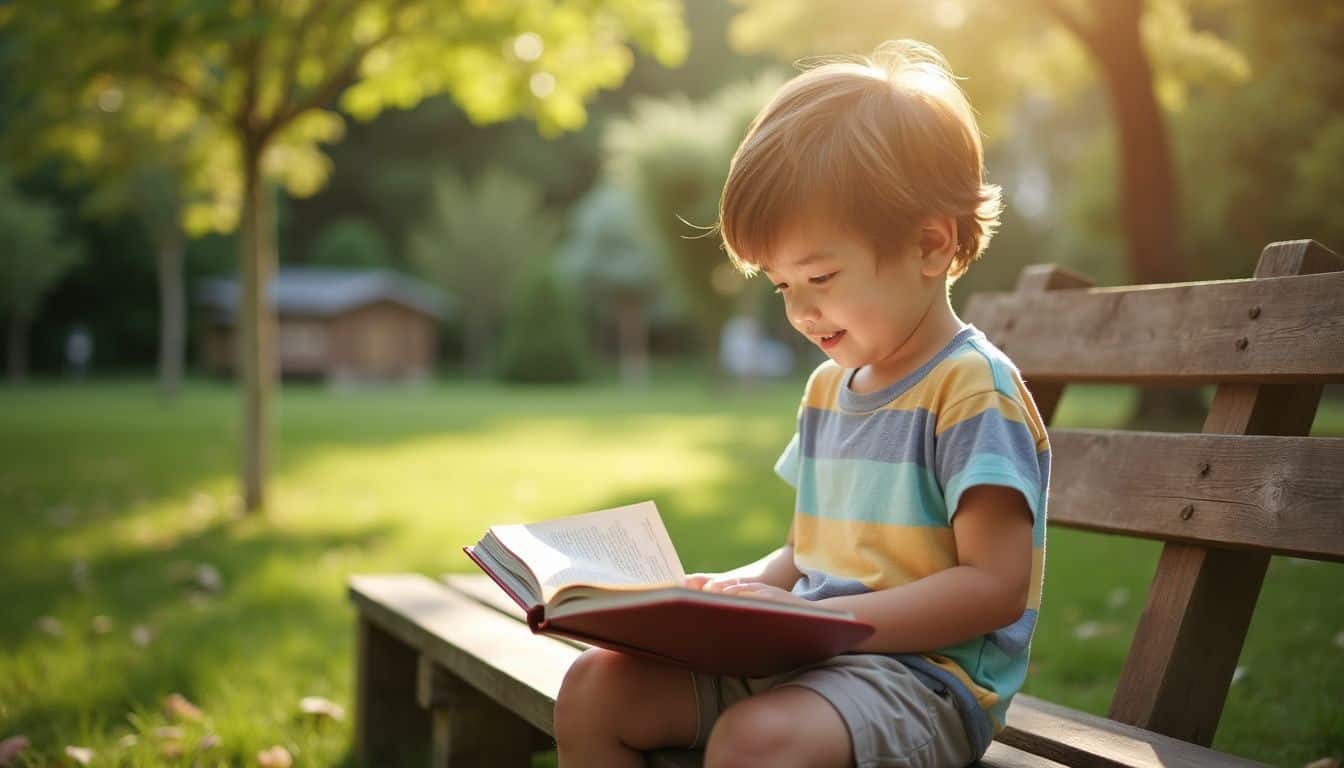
[
  {"x": 470, "y": 729},
  {"x": 390, "y": 729}
]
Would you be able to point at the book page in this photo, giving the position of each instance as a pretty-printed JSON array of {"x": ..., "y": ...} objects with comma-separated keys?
[{"x": 624, "y": 546}]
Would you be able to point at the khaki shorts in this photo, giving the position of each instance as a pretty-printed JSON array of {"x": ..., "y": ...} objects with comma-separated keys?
[{"x": 893, "y": 719}]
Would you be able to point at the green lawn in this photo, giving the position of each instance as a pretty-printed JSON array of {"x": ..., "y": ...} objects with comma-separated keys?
[{"x": 111, "y": 502}]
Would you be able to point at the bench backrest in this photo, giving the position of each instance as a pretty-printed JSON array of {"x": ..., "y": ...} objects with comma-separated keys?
[{"x": 1224, "y": 500}]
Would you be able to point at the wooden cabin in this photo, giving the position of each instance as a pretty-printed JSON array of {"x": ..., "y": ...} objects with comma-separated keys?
[{"x": 339, "y": 325}]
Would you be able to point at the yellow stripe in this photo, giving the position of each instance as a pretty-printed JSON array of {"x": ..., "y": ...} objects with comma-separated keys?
[
  {"x": 983, "y": 696},
  {"x": 880, "y": 556}
]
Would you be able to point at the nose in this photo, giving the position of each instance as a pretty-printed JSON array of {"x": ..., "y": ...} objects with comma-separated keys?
[{"x": 802, "y": 313}]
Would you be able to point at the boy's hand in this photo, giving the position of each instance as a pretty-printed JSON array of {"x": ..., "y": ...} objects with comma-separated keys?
[
  {"x": 714, "y": 582},
  {"x": 763, "y": 591}
]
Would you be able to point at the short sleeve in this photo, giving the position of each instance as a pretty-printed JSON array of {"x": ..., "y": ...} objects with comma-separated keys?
[
  {"x": 985, "y": 439},
  {"x": 787, "y": 464}
]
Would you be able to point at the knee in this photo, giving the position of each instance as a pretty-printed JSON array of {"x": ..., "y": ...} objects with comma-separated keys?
[
  {"x": 588, "y": 686},
  {"x": 750, "y": 736}
]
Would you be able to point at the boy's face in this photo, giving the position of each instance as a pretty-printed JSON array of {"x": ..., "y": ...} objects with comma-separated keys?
[{"x": 861, "y": 311}]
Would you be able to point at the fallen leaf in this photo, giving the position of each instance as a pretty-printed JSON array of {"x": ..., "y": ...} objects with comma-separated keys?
[
  {"x": 171, "y": 750},
  {"x": 275, "y": 757},
  {"x": 179, "y": 708},
  {"x": 11, "y": 748},
  {"x": 51, "y": 625},
  {"x": 102, "y": 624},
  {"x": 1324, "y": 762},
  {"x": 207, "y": 578},
  {"x": 141, "y": 635},
  {"x": 316, "y": 705},
  {"x": 81, "y": 755},
  {"x": 1087, "y": 630},
  {"x": 208, "y": 741}
]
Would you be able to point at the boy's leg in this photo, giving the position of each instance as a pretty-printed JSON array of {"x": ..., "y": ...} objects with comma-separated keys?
[
  {"x": 785, "y": 726},
  {"x": 612, "y": 707}
]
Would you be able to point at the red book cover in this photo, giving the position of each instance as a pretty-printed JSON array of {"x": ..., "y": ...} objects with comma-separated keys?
[{"x": 725, "y": 637}]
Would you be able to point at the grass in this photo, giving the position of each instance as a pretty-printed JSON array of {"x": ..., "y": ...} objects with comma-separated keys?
[{"x": 111, "y": 501}]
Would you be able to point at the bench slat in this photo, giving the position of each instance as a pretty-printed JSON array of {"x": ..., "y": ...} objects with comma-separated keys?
[
  {"x": 1177, "y": 334},
  {"x": 1281, "y": 494},
  {"x": 1079, "y": 739},
  {"x": 493, "y": 653}
]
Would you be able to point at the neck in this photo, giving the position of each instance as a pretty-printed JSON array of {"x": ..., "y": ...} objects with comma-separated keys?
[{"x": 933, "y": 332}]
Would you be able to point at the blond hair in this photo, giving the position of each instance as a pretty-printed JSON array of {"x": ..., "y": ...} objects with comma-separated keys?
[{"x": 876, "y": 144}]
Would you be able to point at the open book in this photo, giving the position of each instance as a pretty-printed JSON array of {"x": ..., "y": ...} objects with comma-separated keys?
[{"x": 613, "y": 579}]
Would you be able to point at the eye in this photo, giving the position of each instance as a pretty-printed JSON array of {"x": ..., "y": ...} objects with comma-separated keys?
[{"x": 819, "y": 279}]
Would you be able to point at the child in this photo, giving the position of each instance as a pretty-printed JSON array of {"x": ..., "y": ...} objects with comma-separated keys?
[{"x": 920, "y": 461}]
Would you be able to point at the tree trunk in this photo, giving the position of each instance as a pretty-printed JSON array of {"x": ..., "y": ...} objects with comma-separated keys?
[
  {"x": 172, "y": 312},
  {"x": 1148, "y": 191},
  {"x": 632, "y": 339},
  {"x": 1147, "y": 181},
  {"x": 256, "y": 325},
  {"x": 18, "y": 348}
]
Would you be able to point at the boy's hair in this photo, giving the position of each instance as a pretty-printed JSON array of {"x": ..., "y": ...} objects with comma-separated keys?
[{"x": 874, "y": 144}]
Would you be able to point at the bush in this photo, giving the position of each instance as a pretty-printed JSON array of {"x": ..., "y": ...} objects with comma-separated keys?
[{"x": 544, "y": 338}]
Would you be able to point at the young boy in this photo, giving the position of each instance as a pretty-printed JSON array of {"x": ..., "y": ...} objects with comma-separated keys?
[{"x": 920, "y": 461}]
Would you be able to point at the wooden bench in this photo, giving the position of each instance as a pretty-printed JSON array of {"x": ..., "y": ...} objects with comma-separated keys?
[{"x": 447, "y": 674}]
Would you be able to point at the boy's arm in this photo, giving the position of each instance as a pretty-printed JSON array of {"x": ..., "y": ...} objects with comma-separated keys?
[{"x": 985, "y": 591}]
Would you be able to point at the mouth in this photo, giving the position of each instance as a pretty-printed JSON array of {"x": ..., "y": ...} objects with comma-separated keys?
[{"x": 826, "y": 342}]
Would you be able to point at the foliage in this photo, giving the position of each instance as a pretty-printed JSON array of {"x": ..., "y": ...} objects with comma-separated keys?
[
  {"x": 35, "y": 253},
  {"x": 674, "y": 155},
  {"x": 477, "y": 239},
  {"x": 193, "y": 75},
  {"x": 544, "y": 338},
  {"x": 351, "y": 242}
]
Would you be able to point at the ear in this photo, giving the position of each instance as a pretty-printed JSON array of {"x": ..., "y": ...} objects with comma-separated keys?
[{"x": 937, "y": 244}]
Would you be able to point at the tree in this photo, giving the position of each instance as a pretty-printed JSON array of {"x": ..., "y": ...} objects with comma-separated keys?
[
  {"x": 265, "y": 76},
  {"x": 674, "y": 154},
  {"x": 475, "y": 243},
  {"x": 34, "y": 257},
  {"x": 612, "y": 254}
]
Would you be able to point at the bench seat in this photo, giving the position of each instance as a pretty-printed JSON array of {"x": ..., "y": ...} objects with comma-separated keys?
[{"x": 465, "y": 631}]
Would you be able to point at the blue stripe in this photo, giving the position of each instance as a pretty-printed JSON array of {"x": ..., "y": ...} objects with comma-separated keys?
[
  {"x": 871, "y": 492},
  {"x": 892, "y": 436},
  {"x": 988, "y": 432}
]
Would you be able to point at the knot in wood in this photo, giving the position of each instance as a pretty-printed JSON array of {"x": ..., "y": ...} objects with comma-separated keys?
[
  {"x": 1243, "y": 342},
  {"x": 1253, "y": 312},
  {"x": 1187, "y": 511},
  {"x": 1203, "y": 468}
]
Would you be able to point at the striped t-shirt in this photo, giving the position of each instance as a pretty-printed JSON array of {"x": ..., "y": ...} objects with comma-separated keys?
[{"x": 878, "y": 479}]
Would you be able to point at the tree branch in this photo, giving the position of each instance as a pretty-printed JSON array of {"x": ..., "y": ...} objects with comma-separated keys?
[
  {"x": 340, "y": 79},
  {"x": 1073, "y": 22}
]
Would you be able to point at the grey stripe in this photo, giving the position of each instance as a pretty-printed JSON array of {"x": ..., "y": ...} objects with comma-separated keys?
[
  {"x": 989, "y": 432},
  {"x": 894, "y": 437},
  {"x": 819, "y": 585},
  {"x": 1013, "y": 639}
]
